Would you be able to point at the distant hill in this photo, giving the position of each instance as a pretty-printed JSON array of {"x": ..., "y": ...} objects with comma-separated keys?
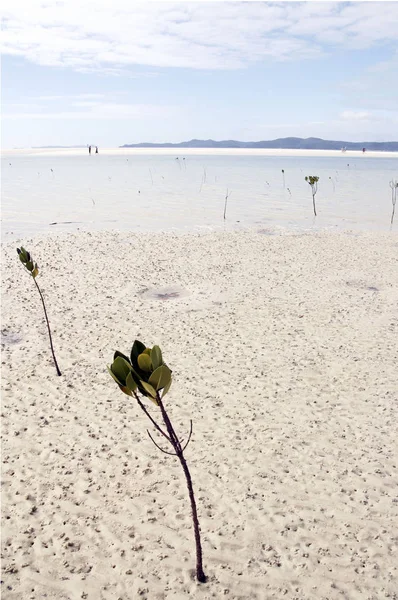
[{"x": 289, "y": 143}]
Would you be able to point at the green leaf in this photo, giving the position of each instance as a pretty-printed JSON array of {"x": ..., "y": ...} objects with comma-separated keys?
[
  {"x": 120, "y": 368},
  {"x": 117, "y": 353},
  {"x": 23, "y": 254},
  {"x": 126, "y": 390},
  {"x": 137, "y": 376},
  {"x": 137, "y": 349},
  {"x": 29, "y": 265},
  {"x": 149, "y": 389},
  {"x": 166, "y": 389},
  {"x": 156, "y": 357},
  {"x": 144, "y": 363},
  {"x": 114, "y": 377},
  {"x": 130, "y": 383},
  {"x": 147, "y": 351},
  {"x": 160, "y": 377}
]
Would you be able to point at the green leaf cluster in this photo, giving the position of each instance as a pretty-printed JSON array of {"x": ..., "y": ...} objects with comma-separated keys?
[
  {"x": 27, "y": 261},
  {"x": 143, "y": 371},
  {"x": 312, "y": 179}
]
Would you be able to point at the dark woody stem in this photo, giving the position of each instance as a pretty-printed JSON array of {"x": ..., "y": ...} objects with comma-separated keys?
[
  {"x": 200, "y": 575},
  {"x": 48, "y": 327}
]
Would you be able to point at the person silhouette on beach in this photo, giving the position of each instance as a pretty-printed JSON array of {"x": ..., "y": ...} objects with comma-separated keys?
[
  {"x": 96, "y": 149},
  {"x": 89, "y": 149}
]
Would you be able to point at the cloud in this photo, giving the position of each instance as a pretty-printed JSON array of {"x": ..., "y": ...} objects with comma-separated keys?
[
  {"x": 367, "y": 124},
  {"x": 97, "y": 110},
  {"x": 358, "y": 115},
  {"x": 374, "y": 88},
  {"x": 56, "y": 98},
  {"x": 110, "y": 37}
]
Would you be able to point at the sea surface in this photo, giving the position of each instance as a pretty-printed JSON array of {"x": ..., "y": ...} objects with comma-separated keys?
[{"x": 157, "y": 192}]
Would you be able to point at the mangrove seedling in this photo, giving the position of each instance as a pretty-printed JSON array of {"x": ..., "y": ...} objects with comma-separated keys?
[
  {"x": 204, "y": 177},
  {"x": 145, "y": 375},
  {"x": 33, "y": 269},
  {"x": 283, "y": 177},
  {"x": 312, "y": 180},
  {"x": 225, "y": 205},
  {"x": 394, "y": 188}
]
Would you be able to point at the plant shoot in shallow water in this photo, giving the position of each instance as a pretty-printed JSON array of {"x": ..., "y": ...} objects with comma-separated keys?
[
  {"x": 33, "y": 269},
  {"x": 312, "y": 180},
  {"x": 225, "y": 205},
  {"x": 145, "y": 375},
  {"x": 394, "y": 188}
]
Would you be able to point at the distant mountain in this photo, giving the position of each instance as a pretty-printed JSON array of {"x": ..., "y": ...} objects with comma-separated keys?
[{"x": 289, "y": 143}]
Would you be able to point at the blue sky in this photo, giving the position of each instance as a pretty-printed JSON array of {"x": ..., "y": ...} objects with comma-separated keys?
[{"x": 108, "y": 73}]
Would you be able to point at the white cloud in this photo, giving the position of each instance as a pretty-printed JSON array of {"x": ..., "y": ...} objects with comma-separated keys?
[
  {"x": 374, "y": 88},
  {"x": 97, "y": 110},
  {"x": 111, "y": 36},
  {"x": 366, "y": 124},
  {"x": 356, "y": 115},
  {"x": 56, "y": 98}
]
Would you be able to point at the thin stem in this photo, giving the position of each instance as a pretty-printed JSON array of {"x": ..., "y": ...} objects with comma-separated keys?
[
  {"x": 201, "y": 577},
  {"x": 225, "y": 205},
  {"x": 151, "y": 418},
  {"x": 48, "y": 327},
  {"x": 313, "y": 201},
  {"x": 172, "y": 434},
  {"x": 189, "y": 437},
  {"x": 161, "y": 449}
]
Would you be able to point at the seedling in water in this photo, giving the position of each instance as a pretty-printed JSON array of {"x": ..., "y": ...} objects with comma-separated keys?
[
  {"x": 145, "y": 374},
  {"x": 313, "y": 182},
  {"x": 394, "y": 188},
  {"x": 225, "y": 205},
  {"x": 33, "y": 269}
]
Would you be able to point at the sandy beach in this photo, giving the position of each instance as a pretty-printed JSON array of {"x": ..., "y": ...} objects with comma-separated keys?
[{"x": 284, "y": 354}]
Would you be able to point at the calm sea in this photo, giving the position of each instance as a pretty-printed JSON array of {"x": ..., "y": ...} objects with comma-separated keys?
[{"x": 155, "y": 192}]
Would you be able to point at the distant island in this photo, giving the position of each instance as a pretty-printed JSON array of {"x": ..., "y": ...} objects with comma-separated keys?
[{"x": 289, "y": 143}]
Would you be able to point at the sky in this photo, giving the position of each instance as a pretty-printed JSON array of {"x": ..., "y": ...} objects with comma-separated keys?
[{"x": 111, "y": 72}]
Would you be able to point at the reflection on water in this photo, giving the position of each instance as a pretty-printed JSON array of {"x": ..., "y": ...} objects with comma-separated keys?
[{"x": 158, "y": 192}]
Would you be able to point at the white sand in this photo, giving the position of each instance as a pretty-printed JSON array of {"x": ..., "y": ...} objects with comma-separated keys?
[
  {"x": 284, "y": 352},
  {"x": 198, "y": 151}
]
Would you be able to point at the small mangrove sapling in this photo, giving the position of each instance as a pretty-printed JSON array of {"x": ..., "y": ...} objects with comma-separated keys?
[
  {"x": 394, "y": 188},
  {"x": 204, "y": 177},
  {"x": 312, "y": 180},
  {"x": 225, "y": 205},
  {"x": 283, "y": 177},
  {"x": 144, "y": 374},
  {"x": 33, "y": 269}
]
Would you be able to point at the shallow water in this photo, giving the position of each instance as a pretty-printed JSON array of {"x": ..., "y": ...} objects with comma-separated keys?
[{"x": 155, "y": 192}]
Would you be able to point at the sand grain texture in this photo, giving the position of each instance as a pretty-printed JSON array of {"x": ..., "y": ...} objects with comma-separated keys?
[{"x": 284, "y": 353}]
